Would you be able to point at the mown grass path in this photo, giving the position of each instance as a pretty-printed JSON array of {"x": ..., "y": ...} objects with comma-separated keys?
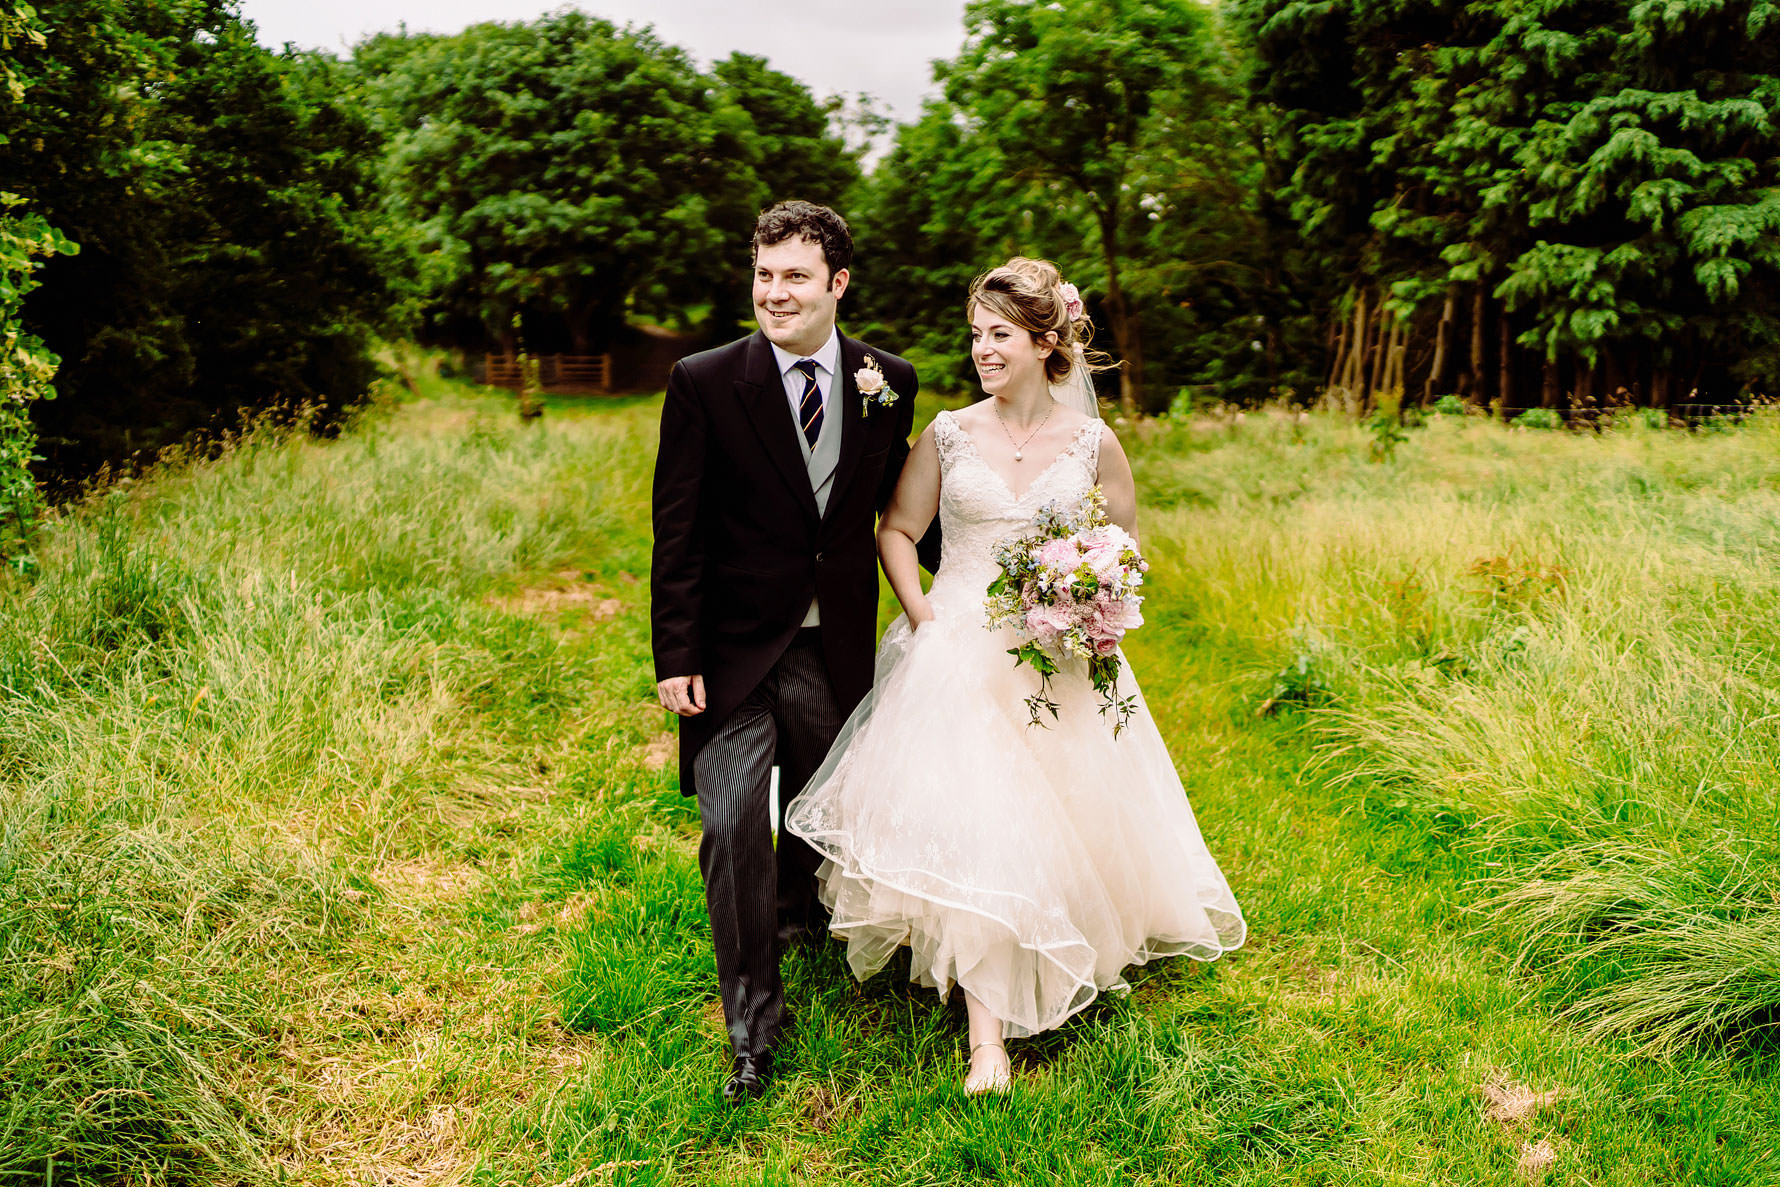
[{"x": 425, "y": 907}]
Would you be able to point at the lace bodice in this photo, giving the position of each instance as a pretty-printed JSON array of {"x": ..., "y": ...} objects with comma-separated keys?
[{"x": 977, "y": 510}]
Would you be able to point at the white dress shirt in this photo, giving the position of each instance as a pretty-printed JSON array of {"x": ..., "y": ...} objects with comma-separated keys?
[{"x": 828, "y": 359}]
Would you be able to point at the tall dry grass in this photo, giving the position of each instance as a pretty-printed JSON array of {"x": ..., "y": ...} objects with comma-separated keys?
[
  {"x": 1560, "y": 654},
  {"x": 231, "y": 692}
]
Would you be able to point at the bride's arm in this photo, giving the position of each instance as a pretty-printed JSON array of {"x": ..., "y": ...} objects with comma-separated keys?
[
  {"x": 1117, "y": 483},
  {"x": 912, "y": 508}
]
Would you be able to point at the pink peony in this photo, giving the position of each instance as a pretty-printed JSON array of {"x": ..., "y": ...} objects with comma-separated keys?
[
  {"x": 1047, "y": 622},
  {"x": 1111, "y": 617},
  {"x": 1103, "y": 558},
  {"x": 1105, "y": 646},
  {"x": 1060, "y": 555},
  {"x": 1103, "y": 549}
]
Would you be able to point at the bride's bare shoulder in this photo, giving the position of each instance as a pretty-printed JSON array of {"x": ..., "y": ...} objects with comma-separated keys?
[
  {"x": 1068, "y": 419},
  {"x": 970, "y": 415}
]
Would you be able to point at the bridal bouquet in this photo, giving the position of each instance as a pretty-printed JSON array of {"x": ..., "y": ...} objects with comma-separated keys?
[{"x": 1070, "y": 589}]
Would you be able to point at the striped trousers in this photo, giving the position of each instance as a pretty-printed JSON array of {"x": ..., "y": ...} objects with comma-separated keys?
[{"x": 791, "y": 718}]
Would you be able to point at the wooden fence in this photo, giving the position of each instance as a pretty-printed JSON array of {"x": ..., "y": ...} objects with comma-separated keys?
[{"x": 559, "y": 372}]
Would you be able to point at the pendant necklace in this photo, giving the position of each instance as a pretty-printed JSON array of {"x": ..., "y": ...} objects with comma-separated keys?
[{"x": 1020, "y": 446}]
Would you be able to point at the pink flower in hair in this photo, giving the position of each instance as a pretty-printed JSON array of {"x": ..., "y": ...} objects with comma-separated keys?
[{"x": 1072, "y": 300}]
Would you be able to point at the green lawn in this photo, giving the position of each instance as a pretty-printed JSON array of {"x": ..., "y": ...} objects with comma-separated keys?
[{"x": 341, "y": 842}]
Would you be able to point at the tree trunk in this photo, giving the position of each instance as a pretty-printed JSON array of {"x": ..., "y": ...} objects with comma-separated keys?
[
  {"x": 1375, "y": 371},
  {"x": 1271, "y": 341},
  {"x": 1399, "y": 360},
  {"x": 1442, "y": 349},
  {"x": 1551, "y": 387},
  {"x": 580, "y": 319},
  {"x": 1390, "y": 374},
  {"x": 1126, "y": 335},
  {"x": 1505, "y": 372},
  {"x": 1613, "y": 380},
  {"x": 1354, "y": 366},
  {"x": 1337, "y": 352},
  {"x": 1362, "y": 337},
  {"x": 1479, "y": 357}
]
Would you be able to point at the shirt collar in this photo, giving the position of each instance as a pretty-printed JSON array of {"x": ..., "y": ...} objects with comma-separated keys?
[{"x": 828, "y": 356}]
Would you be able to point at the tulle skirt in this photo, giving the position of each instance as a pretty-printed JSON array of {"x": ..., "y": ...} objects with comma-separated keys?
[{"x": 1029, "y": 865}]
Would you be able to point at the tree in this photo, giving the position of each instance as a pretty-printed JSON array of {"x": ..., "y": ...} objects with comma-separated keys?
[
  {"x": 221, "y": 199},
  {"x": 569, "y": 169},
  {"x": 1523, "y": 203},
  {"x": 1065, "y": 89},
  {"x": 793, "y": 152},
  {"x": 940, "y": 208},
  {"x": 1215, "y": 272}
]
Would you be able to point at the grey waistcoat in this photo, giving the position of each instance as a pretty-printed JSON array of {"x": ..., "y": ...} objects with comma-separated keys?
[{"x": 821, "y": 462}]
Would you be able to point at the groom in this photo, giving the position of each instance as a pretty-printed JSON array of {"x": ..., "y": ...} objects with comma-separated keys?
[{"x": 772, "y": 470}]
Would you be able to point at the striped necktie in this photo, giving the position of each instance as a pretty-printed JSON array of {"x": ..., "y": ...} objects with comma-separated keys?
[{"x": 809, "y": 409}]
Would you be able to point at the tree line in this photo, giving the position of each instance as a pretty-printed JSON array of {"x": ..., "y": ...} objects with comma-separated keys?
[{"x": 1272, "y": 199}]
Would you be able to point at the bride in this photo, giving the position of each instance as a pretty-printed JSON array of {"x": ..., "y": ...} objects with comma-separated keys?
[{"x": 1029, "y": 866}]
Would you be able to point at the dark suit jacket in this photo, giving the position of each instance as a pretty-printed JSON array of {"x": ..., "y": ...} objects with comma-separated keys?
[{"x": 739, "y": 547}]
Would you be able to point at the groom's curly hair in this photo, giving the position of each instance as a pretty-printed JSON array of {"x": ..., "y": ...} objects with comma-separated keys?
[{"x": 806, "y": 220}]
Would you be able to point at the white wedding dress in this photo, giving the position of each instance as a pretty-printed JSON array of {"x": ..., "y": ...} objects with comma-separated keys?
[{"x": 1030, "y": 865}]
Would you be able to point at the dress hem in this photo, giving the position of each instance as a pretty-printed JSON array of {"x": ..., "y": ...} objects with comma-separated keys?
[{"x": 859, "y": 873}]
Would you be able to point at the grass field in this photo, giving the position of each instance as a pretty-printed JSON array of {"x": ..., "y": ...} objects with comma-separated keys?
[{"x": 340, "y": 840}]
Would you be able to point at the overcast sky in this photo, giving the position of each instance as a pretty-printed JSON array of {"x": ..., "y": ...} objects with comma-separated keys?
[{"x": 881, "y": 47}]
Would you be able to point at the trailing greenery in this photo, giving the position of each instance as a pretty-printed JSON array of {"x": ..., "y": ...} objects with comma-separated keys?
[{"x": 26, "y": 367}]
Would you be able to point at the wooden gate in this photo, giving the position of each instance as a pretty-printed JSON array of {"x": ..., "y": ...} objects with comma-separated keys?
[{"x": 556, "y": 372}]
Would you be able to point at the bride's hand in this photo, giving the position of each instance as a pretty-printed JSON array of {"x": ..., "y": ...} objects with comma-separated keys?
[{"x": 919, "y": 614}]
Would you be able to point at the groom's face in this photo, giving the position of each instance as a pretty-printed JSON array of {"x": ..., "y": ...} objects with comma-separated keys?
[{"x": 794, "y": 296}]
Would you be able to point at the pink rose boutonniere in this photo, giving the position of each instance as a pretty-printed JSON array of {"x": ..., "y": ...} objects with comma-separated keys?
[{"x": 874, "y": 392}]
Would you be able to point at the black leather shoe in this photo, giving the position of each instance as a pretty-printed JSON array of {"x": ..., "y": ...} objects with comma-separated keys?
[
  {"x": 808, "y": 926},
  {"x": 793, "y": 934},
  {"x": 749, "y": 1079}
]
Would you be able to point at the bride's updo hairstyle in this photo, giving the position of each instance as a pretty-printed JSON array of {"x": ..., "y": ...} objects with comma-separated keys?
[{"x": 1028, "y": 293}]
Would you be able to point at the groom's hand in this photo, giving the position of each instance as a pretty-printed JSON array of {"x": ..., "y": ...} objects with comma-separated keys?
[{"x": 684, "y": 695}]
